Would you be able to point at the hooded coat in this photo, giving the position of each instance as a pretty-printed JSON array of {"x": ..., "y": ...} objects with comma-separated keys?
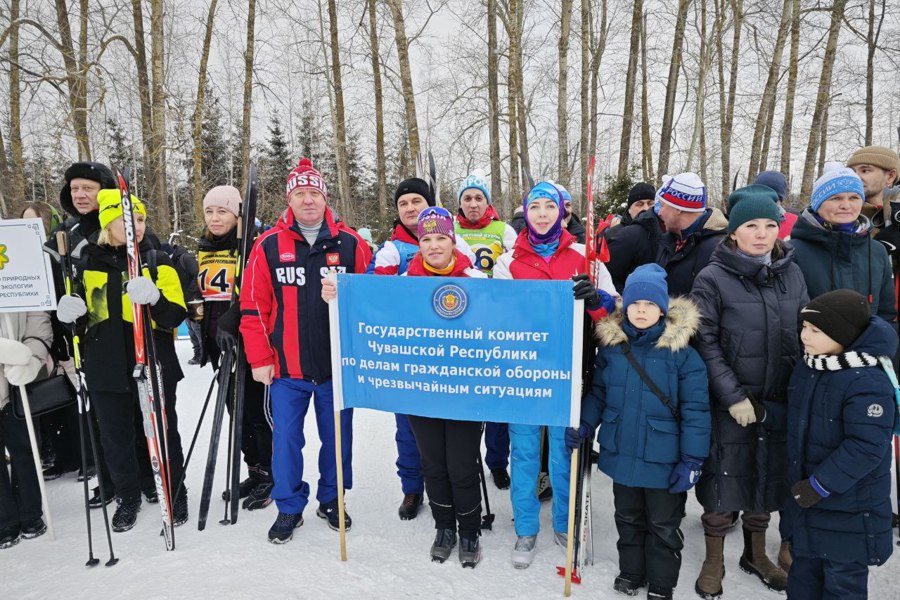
[
  {"x": 748, "y": 337},
  {"x": 832, "y": 260},
  {"x": 684, "y": 257},
  {"x": 839, "y": 429},
  {"x": 632, "y": 243},
  {"x": 640, "y": 439}
]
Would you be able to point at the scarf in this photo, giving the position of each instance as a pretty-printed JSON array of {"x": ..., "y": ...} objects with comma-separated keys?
[
  {"x": 764, "y": 259},
  {"x": 851, "y": 228},
  {"x": 545, "y": 250},
  {"x": 489, "y": 215},
  {"x": 445, "y": 271},
  {"x": 837, "y": 362}
]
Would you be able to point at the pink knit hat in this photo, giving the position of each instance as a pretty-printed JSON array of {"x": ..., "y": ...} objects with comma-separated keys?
[{"x": 224, "y": 196}]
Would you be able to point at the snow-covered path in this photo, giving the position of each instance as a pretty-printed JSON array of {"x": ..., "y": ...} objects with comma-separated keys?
[{"x": 387, "y": 558}]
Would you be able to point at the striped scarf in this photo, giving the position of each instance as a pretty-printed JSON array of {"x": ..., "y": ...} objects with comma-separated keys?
[{"x": 836, "y": 362}]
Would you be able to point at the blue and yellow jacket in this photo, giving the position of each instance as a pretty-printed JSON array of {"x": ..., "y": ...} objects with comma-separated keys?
[{"x": 109, "y": 337}]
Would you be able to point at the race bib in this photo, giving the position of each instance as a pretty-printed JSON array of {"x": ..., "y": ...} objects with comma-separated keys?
[{"x": 217, "y": 274}]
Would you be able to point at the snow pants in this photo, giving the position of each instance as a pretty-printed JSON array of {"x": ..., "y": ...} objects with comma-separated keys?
[
  {"x": 450, "y": 451},
  {"x": 409, "y": 467},
  {"x": 525, "y": 463},
  {"x": 650, "y": 540},
  {"x": 117, "y": 416},
  {"x": 20, "y": 497},
  {"x": 496, "y": 443},
  {"x": 820, "y": 579},
  {"x": 290, "y": 403}
]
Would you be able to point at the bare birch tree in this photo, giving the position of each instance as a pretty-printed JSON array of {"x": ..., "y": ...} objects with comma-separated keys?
[
  {"x": 197, "y": 121},
  {"x": 637, "y": 14},
  {"x": 562, "y": 118},
  {"x": 665, "y": 141},
  {"x": 409, "y": 99},
  {"x": 380, "y": 167}
]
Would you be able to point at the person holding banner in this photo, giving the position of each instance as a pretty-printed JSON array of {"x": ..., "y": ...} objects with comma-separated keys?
[
  {"x": 109, "y": 349},
  {"x": 544, "y": 250},
  {"x": 24, "y": 340},
  {"x": 478, "y": 223},
  {"x": 218, "y": 274},
  {"x": 649, "y": 396},
  {"x": 449, "y": 450},
  {"x": 412, "y": 196},
  {"x": 285, "y": 326}
]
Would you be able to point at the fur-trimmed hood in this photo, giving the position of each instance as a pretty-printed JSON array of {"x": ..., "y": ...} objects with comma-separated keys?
[{"x": 682, "y": 322}]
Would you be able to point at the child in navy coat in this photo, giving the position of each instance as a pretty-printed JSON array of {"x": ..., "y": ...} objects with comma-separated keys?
[
  {"x": 840, "y": 418},
  {"x": 651, "y": 445}
]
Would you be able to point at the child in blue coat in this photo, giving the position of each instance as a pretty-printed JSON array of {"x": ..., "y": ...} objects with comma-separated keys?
[
  {"x": 651, "y": 445},
  {"x": 840, "y": 418}
]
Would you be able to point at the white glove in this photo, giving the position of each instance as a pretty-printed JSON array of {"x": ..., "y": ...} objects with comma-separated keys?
[
  {"x": 142, "y": 290},
  {"x": 13, "y": 352},
  {"x": 70, "y": 308},
  {"x": 743, "y": 413},
  {"x": 22, "y": 374}
]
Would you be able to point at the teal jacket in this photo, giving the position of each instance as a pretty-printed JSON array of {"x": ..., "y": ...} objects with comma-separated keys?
[{"x": 831, "y": 260}]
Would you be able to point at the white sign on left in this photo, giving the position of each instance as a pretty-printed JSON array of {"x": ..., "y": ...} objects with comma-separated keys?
[{"x": 26, "y": 277}]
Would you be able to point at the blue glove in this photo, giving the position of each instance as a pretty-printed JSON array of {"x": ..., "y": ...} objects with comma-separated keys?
[
  {"x": 685, "y": 474},
  {"x": 607, "y": 302},
  {"x": 574, "y": 437}
]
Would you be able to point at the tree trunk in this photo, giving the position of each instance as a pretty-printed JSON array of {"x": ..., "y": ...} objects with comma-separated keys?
[
  {"x": 703, "y": 67},
  {"x": 767, "y": 102},
  {"x": 197, "y": 129},
  {"x": 521, "y": 112},
  {"x": 790, "y": 92},
  {"x": 340, "y": 124},
  {"x": 822, "y": 96},
  {"x": 248, "y": 91},
  {"x": 874, "y": 33},
  {"x": 380, "y": 167},
  {"x": 75, "y": 81},
  {"x": 637, "y": 14},
  {"x": 406, "y": 81},
  {"x": 494, "y": 101},
  {"x": 672, "y": 87},
  {"x": 585, "y": 99},
  {"x": 598, "y": 49},
  {"x": 17, "y": 168},
  {"x": 646, "y": 143},
  {"x": 562, "y": 117},
  {"x": 160, "y": 199},
  {"x": 823, "y": 136},
  {"x": 727, "y": 122},
  {"x": 140, "y": 60}
]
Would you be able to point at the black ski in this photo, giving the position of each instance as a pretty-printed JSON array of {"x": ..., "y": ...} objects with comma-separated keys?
[
  {"x": 246, "y": 235},
  {"x": 224, "y": 378}
]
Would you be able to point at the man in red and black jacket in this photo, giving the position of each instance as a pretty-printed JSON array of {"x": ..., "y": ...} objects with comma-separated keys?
[{"x": 286, "y": 335}]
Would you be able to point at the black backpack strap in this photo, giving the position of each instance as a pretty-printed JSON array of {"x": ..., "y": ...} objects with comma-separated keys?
[{"x": 645, "y": 377}]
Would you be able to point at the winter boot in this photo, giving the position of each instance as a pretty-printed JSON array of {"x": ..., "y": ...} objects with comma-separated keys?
[
  {"x": 501, "y": 478},
  {"x": 91, "y": 472},
  {"x": 629, "y": 585},
  {"x": 9, "y": 537},
  {"x": 444, "y": 540},
  {"x": 126, "y": 514},
  {"x": 523, "y": 552},
  {"x": 180, "y": 510},
  {"x": 544, "y": 491},
  {"x": 659, "y": 593},
  {"x": 409, "y": 509},
  {"x": 329, "y": 512},
  {"x": 96, "y": 501},
  {"x": 755, "y": 562},
  {"x": 151, "y": 496},
  {"x": 57, "y": 471},
  {"x": 785, "y": 559},
  {"x": 561, "y": 539},
  {"x": 253, "y": 479},
  {"x": 282, "y": 530},
  {"x": 33, "y": 528},
  {"x": 709, "y": 582},
  {"x": 261, "y": 494},
  {"x": 469, "y": 551}
]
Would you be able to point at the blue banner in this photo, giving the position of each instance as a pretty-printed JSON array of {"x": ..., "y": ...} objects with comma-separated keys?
[{"x": 458, "y": 348}]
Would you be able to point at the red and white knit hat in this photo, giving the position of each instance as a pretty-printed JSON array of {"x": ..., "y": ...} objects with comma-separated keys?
[
  {"x": 685, "y": 191},
  {"x": 305, "y": 176}
]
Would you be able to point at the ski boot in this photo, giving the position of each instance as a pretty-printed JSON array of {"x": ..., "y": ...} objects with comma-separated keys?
[
  {"x": 444, "y": 540},
  {"x": 469, "y": 551},
  {"x": 630, "y": 585},
  {"x": 523, "y": 552}
]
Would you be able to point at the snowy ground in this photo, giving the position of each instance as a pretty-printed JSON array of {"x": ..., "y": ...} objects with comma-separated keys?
[{"x": 387, "y": 558}]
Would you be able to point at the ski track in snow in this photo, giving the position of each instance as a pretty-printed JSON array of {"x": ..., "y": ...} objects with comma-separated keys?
[{"x": 387, "y": 558}]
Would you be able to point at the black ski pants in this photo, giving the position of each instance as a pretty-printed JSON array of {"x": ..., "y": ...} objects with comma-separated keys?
[
  {"x": 20, "y": 495},
  {"x": 116, "y": 416},
  {"x": 650, "y": 540},
  {"x": 450, "y": 452}
]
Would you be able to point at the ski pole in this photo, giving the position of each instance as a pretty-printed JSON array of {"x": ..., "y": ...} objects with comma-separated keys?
[
  {"x": 570, "y": 538},
  {"x": 487, "y": 521}
]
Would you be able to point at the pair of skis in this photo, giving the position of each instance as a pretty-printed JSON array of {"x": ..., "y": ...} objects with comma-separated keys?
[
  {"x": 148, "y": 374},
  {"x": 232, "y": 379}
]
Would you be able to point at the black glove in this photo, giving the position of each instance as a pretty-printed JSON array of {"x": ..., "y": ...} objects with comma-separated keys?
[
  {"x": 227, "y": 328},
  {"x": 585, "y": 290},
  {"x": 759, "y": 410},
  {"x": 808, "y": 492}
]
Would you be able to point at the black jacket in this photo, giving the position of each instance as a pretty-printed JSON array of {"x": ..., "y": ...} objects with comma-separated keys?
[
  {"x": 576, "y": 228},
  {"x": 684, "y": 258},
  {"x": 749, "y": 339},
  {"x": 632, "y": 245}
]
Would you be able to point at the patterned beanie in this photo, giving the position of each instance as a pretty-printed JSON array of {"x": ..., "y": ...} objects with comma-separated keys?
[
  {"x": 435, "y": 220},
  {"x": 835, "y": 180},
  {"x": 305, "y": 176},
  {"x": 685, "y": 191},
  {"x": 476, "y": 180}
]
